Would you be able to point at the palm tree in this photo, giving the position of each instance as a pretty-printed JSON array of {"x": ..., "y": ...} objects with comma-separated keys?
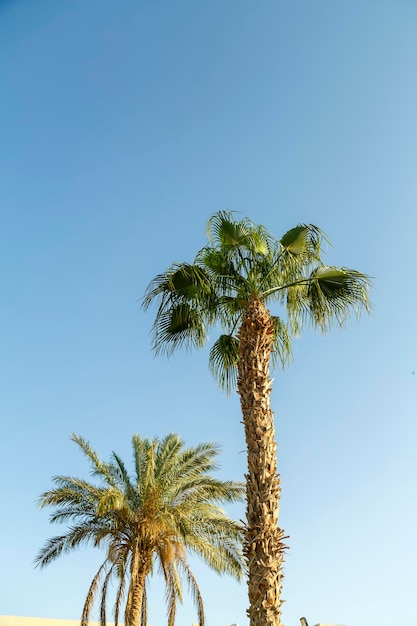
[
  {"x": 168, "y": 508},
  {"x": 232, "y": 280}
]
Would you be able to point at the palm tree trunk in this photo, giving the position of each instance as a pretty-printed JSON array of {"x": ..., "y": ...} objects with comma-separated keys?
[
  {"x": 263, "y": 545},
  {"x": 134, "y": 604}
]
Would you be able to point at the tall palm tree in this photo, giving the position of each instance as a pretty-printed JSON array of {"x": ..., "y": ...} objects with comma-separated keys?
[
  {"x": 168, "y": 508},
  {"x": 230, "y": 284}
]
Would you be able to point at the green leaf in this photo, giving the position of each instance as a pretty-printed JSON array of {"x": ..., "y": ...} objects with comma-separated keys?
[
  {"x": 304, "y": 239},
  {"x": 223, "y": 360}
]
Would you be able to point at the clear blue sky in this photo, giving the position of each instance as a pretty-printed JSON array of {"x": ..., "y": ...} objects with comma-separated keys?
[{"x": 124, "y": 125}]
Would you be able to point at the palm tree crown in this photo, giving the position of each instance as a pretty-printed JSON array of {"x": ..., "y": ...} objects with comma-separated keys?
[
  {"x": 242, "y": 270},
  {"x": 169, "y": 507},
  {"x": 244, "y": 262}
]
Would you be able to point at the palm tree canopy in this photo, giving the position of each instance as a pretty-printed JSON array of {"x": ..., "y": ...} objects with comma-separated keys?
[
  {"x": 168, "y": 507},
  {"x": 241, "y": 262}
]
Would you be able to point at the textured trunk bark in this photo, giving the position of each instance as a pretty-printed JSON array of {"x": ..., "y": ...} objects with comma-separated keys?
[
  {"x": 263, "y": 545},
  {"x": 139, "y": 570},
  {"x": 133, "y": 614}
]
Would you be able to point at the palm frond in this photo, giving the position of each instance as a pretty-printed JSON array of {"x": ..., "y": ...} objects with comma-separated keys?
[
  {"x": 180, "y": 326},
  {"x": 78, "y": 514},
  {"x": 89, "y": 601},
  {"x": 334, "y": 293},
  {"x": 281, "y": 346},
  {"x": 100, "y": 469},
  {"x": 103, "y": 619},
  {"x": 70, "y": 491},
  {"x": 167, "y": 459},
  {"x": 303, "y": 241},
  {"x": 194, "y": 589},
  {"x": 300, "y": 247},
  {"x": 180, "y": 282},
  {"x": 123, "y": 479},
  {"x": 223, "y": 359},
  {"x": 140, "y": 448},
  {"x": 173, "y": 589},
  {"x": 112, "y": 500},
  {"x": 222, "y": 553},
  {"x": 120, "y": 593},
  {"x": 225, "y": 231}
]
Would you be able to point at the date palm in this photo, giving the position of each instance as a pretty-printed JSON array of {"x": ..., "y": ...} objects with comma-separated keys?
[
  {"x": 230, "y": 284},
  {"x": 167, "y": 509}
]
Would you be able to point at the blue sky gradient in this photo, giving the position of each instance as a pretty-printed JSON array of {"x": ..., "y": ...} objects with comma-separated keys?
[{"x": 124, "y": 126}]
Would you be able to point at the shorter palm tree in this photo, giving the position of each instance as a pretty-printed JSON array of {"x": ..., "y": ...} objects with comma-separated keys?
[{"x": 168, "y": 508}]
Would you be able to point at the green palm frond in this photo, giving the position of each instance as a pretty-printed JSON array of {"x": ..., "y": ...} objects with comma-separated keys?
[
  {"x": 217, "y": 265},
  {"x": 190, "y": 471},
  {"x": 99, "y": 469},
  {"x": 224, "y": 273},
  {"x": 300, "y": 247},
  {"x": 221, "y": 553},
  {"x": 262, "y": 242},
  {"x": 223, "y": 360},
  {"x": 88, "y": 532},
  {"x": 334, "y": 293},
  {"x": 140, "y": 449},
  {"x": 52, "y": 549},
  {"x": 230, "y": 310},
  {"x": 123, "y": 479},
  {"x": 70, "y": 490},
  {"x": 169, "y": 449},
  {"x": 180, "y": 326},
  {"x": 66, "y": 514},
  {"x": 229, "y": 234},
  {"x": 181, "y": 282},
  {"x": 224, "y": 230},
  {"x": 281, "y": 346},
  {"x": 303, "y": 241},
  {"x": 111, "y": 500},
  {"x": 210, "y": 489}
]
